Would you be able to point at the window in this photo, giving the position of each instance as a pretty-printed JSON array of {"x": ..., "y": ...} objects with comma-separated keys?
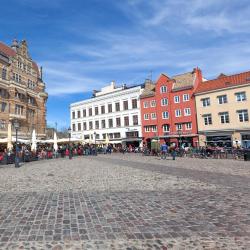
[
  {"x": 188, "y": 125},
  {"x": 146, "y": 116},
  {"x": 3, "y": 106},
  {"x": 165, "y": 115},
  {"x": 165, "y": 128},
  {"x": 222, "y": 99},
  {"x": 241, "y": 96},
  {"x": 153, "y": 103},
  {"x": 224, "y": 117},
  {"x": 19, "y": 110},
  {"x": 4, "y": 74},
  {"x": 153, "y": 116},
  {"x": 84, "y": 126},
  {"x": 96, "y": 124},
  {"x": 135, "y": 119},
  {"x": 145, "y": 104},
  {"x": 110, "y": 108},
  {"x": 205, "y": 102},
  {"x": 110, "y": 121},
  {"x": 73, "y": 115},
  {"x": 78, "y": 114},
  {"x": 84, "y": 112},
  {"x": 104, "y": 136},
  {"x": 125, "y": 105},
  {"x": 31, "y": 100},
  {"x": 187, "y": 111},
  {"x": 185, "y": 97},
  {"x": 2, "y": 124},
  {"x": 103, "y": 124},
  {"x": 134, "y": 103},
  {"x": 243, "y": 115},
  {"x": 154, "y": 128},
  {"x": 90, "y": 111},
  {"x": 79, "y": 127},
  {"x": 176, "y": 99},
  {"x": 17, "y": 78},
  {"x": 117, "y": 135},
  {"x": 147, "y": 128},
  {"x": 117, "y": 106},
  {"x": 73, "y": 127},
  {"x": 207, "y": 119},
  {"x": 178, "y": 126},
  {"x": 96, "y": 111},
  {"x": 126, "y": 121},
  {"x": 177, "y": 113},
  {"x": 118, "y": 122},
  {"x": 90, "y": 125},
  {"x": 103, "y": 109},
  {"x": 163, "y": 89},
  {"x": 31, "y": 113},
  {"x": 164, "y": 102}
]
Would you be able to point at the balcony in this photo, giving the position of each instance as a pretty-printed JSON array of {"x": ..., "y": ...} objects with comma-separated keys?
[{"x": 17, "y": 116}]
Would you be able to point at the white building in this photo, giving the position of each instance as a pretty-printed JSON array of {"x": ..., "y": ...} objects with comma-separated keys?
[{"x": 112, "y": 116}]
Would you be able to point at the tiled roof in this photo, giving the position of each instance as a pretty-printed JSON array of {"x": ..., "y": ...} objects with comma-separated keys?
[
  {"x": 7, "y": 50},
  {"x": 184, "y": 81},
  {"x": 149, "y": 90},
  {"x": 224, "y": 82}
]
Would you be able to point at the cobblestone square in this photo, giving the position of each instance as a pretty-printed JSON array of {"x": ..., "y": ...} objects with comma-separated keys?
[{"x": 125, "y": 202}]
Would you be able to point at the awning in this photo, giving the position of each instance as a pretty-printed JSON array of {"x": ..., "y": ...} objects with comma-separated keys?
[{"x": 132, "y": 139}]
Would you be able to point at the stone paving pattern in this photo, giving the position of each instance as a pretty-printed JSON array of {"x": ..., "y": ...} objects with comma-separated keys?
[{"x": 125, "y": 202}]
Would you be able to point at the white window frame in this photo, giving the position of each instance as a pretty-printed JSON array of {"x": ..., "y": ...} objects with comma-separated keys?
[
  {"x": 207, "y": 103},
  {"x": 176, "y": 99},
  {"x": 206, "y": 119},
  {"x": 244, "y": 114},
  {"x": 164, "y": 101},
  {"x": 222, "y": 99},
  {"x": 179, "y": 126},
  {"x": 145, "y": 104},
  {"x": 153, "y": 116},
  {"x": 147, "y": 129},
  {"x": 242, "y": 95},
  {"x": 146, "y": 116},
  {"x": 188, "y": 127},
  {"x": 164, "y": 89},
  {"x": 165, "y": 126},
  {"x": 153, "y": 103},
  {"x": 165, "y": 112},
  {"x": 154, "y": 128},
  {"x": 223, "y": 116},
  {"x": 178, "y": 113},
  {"x": 184, "y": 97},
  {"x": 187, "y": 113}
]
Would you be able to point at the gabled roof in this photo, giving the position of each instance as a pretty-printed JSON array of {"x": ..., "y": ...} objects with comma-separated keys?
[
  {"x": 183, "y": 81},
  {"x": 7, "y": 50},
  {"x": 149, "y": 89},
  {"x": 224, "y": 82}
]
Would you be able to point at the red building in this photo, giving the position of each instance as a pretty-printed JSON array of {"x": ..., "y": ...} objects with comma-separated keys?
[{"x": 168, "y": 109}]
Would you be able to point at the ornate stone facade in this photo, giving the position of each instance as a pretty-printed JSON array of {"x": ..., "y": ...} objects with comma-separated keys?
[{"x": 22, "y": 92}]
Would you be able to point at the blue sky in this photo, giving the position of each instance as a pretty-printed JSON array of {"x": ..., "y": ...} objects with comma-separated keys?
[{"x": 84, "y": 44}]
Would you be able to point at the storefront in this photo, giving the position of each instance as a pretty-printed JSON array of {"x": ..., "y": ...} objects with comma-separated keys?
[
  {"x": 245, "y": 138},
  {"x": 219, "y": 140}
]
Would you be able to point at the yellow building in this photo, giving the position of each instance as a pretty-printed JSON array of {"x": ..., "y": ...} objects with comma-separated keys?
[{"x": 223, "y": 107}]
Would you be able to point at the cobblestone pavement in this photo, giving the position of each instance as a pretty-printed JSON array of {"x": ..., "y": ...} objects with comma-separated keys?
[{"x": 125, "y": 202}]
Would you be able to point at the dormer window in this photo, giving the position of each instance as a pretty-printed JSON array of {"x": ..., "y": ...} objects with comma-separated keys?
[{"x": 163, "y": 89}]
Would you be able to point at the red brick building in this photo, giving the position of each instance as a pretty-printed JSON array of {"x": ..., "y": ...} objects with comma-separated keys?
[{"x": 168, "y": 109}]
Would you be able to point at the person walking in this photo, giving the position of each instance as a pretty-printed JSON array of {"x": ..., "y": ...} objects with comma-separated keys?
[
  {"x": 173, "y": 151},
  {"x": 164, "y": 149}
]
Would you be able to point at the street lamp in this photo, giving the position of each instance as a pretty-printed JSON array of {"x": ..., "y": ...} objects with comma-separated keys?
[
  {"x": 16, "y": 127},
  {"x": 179, "y": 140},
  {"x": 95, "y": 143},
  {"x": 70, "y": 155}
]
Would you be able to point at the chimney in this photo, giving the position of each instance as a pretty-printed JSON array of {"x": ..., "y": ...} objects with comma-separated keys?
[
  {"x": 94, "y": 93},
  {"x": 124, "y": 86}
]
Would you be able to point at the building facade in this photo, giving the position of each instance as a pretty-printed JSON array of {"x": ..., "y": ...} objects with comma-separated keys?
[
  {"x": 22, "y": 92},
  {"x": 168, "y": 109},
  {"x": 223, "y": 106},
  {"x": 112, "y": 116}
]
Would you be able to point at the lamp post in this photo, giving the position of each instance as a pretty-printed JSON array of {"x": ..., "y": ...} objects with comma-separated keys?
[
  {"x": 70, "y": 154},
  {"x": 179, "y": 139},
  {"x": 16, "y": 127},
  {"x": 95, "y": 143}
]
